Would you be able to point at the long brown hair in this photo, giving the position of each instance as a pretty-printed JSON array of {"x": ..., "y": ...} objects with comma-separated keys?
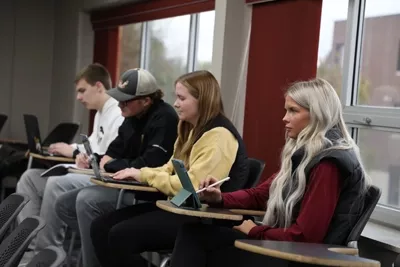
[{"x": 203, "y": 86}]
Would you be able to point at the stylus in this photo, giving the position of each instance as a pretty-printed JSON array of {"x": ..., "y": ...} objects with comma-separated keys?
[{"x": 214, "y": 184}]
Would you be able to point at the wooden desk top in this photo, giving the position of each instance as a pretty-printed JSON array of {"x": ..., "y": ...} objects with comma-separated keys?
[
  {"x": 204, "y": 212},
  {"x": 248, "y": 212},
  {"x": 125, "y": 186},
  {"x": 52, "y": 158},
  {"x": 87, "y": 172},
  {"x": 320, "y": 254}
]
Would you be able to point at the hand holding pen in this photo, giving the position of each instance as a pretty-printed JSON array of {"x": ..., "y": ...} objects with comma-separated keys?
[{"x": 209, "y": 190}]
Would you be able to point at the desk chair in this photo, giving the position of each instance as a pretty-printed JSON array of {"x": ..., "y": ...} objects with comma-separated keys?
[
  {"x": 371, "y": 199},
  {"x": 63, "y": 132},
  {"x": 256, "y": 167},
  {"x": 14, "y": 246},
  {"x": 49, "y": 257},
  {"x": 9, "y": 209}
]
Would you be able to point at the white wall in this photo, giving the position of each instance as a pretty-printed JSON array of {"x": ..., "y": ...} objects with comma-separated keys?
[
  {"x": 26, "y": 51},
  {"x": 73, "y": 49},
  {"x": 229, "y": 63},
  {"x": 7, "y": 29}
]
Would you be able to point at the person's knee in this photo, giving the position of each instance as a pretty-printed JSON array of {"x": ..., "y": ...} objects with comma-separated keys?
[
  {"x": 118, "y": 237},
  {"x": 55, "y": 182},
  {"x": 95, "y": 201},
  {"x": 61, "y": 208},
  {"x": 87, "y": 200},
  {"x": 194, "y": 231},
  {"x": 25, "y": 180}
]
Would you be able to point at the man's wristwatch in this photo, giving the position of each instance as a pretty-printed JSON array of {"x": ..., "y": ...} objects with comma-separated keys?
[{"x": 75, "y": 153}]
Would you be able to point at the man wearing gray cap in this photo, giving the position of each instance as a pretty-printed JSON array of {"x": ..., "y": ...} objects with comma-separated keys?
[{"x": 145, "y": 139}]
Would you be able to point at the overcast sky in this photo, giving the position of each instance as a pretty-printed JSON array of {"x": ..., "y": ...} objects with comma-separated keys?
[{"x": 175, "y": 34}]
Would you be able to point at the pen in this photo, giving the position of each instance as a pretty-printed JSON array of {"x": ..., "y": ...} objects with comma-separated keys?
[{"x": 214, "y": 184}]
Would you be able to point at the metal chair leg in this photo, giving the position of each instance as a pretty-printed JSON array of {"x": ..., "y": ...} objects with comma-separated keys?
[
  {"x": 120, "y": 196},
  {"x": 149, "y": 259},
  {"x": 165, "y": 261},
  {"x": 71, "y": 249}
]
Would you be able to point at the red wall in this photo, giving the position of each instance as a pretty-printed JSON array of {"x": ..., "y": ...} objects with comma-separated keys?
[
  {"x": 283, "y": 49},
  {"x": 106, "y": 46}
]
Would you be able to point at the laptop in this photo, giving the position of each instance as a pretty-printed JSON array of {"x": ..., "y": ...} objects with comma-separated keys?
[
  {"x": 187, "y": 187},
  {"x": 96, "y": 168},
  {"x": 33, "y": 135}
]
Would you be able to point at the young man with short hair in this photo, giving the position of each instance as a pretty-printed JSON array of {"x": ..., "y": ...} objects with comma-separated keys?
[{"x": 91, "y": 84}]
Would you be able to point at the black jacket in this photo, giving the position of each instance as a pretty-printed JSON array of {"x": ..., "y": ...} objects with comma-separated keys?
[
  {"x": 147, "y": 141},
  {"x": 351, "y": 200},
  {"x": 240, "y": 169}
]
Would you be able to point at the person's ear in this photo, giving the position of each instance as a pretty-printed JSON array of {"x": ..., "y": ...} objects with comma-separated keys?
[
  {"x": 99, "y": 87},
  {"x": 147, "y": 101}
]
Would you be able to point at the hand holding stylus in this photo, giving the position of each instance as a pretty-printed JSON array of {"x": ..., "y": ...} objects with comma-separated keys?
[{"x": 208, "y": 193}]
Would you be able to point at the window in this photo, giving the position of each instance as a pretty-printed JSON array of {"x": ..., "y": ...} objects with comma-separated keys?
[
  {"x": 358, "y": 54},
  {"x": 130, "y": 49},
  {"x": 169, "y": 47},
  {"x": 332, "y": 40},
  {"x": 205, "y": 41},
  {"x": 383, "y": 165},
  {"x": 378, "y": 83},
  {"x": 167, "y": 54}
]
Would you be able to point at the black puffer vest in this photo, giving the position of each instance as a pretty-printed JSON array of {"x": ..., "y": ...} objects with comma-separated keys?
[
  {"x": 240, "y": 168},
  {"x": 351, "y": 199}
]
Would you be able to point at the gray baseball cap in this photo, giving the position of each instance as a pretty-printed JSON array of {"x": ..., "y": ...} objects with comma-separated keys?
[{"x": 134, "y": 83}]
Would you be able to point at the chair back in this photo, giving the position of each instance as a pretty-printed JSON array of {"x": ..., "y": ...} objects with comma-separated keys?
[
  {"x": 9, "y": 209},
  {"x": 3, "y": 119},
  {"x": 371, "y": 199},
  {"x": 49, "y": 257},
  {"x": 13, "y": 246},
  {"x": 63, "y": 132},
  {"x": 256, "y": 167}
]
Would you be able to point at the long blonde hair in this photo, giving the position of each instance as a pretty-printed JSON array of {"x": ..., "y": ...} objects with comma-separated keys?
[
  {"x": 203, "y": 86},
  {"x": 323, "y": 104}
]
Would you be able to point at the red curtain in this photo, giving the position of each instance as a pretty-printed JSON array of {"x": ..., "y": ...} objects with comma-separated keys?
[
  {"x": 283, "y": 49},
  {"x": 106, "y": 46}
]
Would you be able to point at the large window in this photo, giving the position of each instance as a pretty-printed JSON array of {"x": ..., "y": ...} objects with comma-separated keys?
[
  {"x": 169, "y": 47},
  {"x": 358, "y": 54},
  {"x": 129, "y": 57}
]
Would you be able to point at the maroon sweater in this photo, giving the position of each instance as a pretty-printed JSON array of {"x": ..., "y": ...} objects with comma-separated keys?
[{"x": 316, "y": 211}]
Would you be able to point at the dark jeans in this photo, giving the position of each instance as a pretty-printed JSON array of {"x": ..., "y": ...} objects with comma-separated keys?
[
  {"x": 119, "y": 236},
  {"x": 201, "y": 245}
]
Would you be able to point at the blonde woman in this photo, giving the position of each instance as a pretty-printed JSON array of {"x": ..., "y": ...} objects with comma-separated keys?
[
  {"x": 316, "y": 196},
  {"x": 207, "y": 143}
]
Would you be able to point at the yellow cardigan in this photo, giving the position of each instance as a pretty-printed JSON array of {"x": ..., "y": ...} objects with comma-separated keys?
[{"x": 213, "y": 154}]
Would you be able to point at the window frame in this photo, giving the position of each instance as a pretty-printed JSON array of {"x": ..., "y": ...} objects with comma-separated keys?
[
  {"x": 361, "y": 116},
  {"x": 193, "y": 42}
]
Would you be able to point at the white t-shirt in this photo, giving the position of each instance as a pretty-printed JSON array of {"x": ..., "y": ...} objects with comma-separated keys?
[{"x": 105, "y": 127}]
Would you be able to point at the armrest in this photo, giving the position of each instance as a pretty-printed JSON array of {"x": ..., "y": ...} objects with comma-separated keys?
[
  {"x": 320, "y": 254},
  {"x": 248, "y": 212},
  {"x": 345, "y": 250}
]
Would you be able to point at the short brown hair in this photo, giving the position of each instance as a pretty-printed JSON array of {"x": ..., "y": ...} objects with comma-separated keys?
[
  {"x": 157, "y": 95},
  {"x": 95, "y": 73}
]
